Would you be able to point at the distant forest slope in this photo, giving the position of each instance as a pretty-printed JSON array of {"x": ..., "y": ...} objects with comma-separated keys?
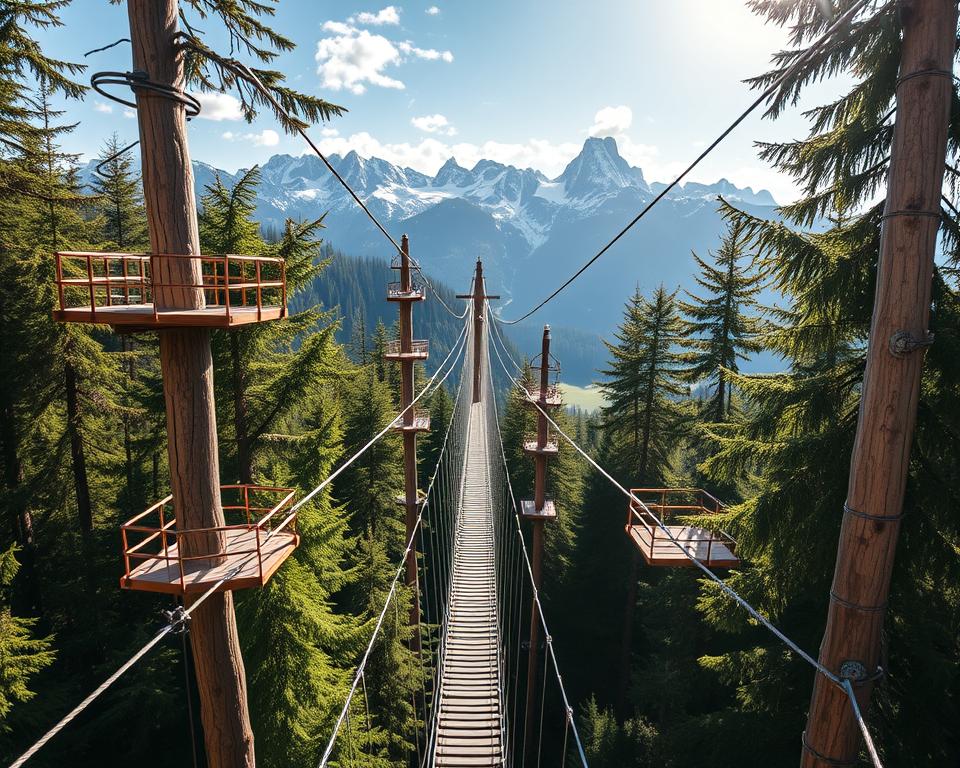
[{"x": 356, "y": 287}]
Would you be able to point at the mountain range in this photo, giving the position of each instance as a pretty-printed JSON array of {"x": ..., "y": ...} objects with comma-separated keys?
[{"x": 531, "y": 231}]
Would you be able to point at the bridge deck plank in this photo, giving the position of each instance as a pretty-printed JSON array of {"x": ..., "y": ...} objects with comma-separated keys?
[{"x": 469, "y": 727}]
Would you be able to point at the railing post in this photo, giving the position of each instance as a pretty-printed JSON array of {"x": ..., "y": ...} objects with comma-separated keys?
[{"x": 93, "y": 299}]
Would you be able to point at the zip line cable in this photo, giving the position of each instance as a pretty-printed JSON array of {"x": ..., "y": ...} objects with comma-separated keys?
[
  {"x": 181, "y": 617},
  {"x": 344, "y": 713},
  {"x": 842, "y": 683},
  {"x": 767, "y": 93},
  {"x": 242, "y": 70}
]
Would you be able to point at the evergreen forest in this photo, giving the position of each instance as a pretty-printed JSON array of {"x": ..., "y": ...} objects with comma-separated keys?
[{"x": 662, "y": 669}]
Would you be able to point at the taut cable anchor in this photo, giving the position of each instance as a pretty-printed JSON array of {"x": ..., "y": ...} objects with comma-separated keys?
[
  {"x": 178, "y": 619},
  {"x": 902, "y": 343}
]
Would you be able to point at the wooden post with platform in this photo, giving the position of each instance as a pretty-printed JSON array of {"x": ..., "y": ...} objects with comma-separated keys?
[
  {"x": 187, "y": 366},
  {"x": 407, "y": 353},
  {"x": 538, "y": 511},
  {"x": 479, "y": 296}
]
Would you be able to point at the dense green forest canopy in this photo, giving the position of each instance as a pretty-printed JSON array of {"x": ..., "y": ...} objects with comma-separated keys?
[{"x": 662, "y": 669}]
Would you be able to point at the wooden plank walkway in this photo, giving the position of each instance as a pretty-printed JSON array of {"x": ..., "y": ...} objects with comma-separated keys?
[{"x": 469, "y": 725}]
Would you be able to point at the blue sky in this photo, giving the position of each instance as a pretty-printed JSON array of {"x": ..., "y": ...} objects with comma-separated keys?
[{"x": 520, "y": 82}]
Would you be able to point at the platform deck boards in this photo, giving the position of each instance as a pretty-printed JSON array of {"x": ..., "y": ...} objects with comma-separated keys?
[
  {"x": 695, "y": 542},
  {"x": 198, "y": 575},
  {"x": 469, "y": 726},
  {"x": 142, "y": 315}
]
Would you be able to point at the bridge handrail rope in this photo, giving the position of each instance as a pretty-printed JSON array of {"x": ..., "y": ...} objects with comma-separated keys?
[
  {"x": 766, "y": 94},
  {"x": 568, "y": 709},
  {"x": 843, "y": 683},
  {"x": 242, "y": 70},
  {"x": 361, "y": 667},
  {"x": 182, "y": 617}
]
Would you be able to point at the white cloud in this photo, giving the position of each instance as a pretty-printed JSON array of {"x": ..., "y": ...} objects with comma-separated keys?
[
  {"x": 354, "y": 57},
  {"x": 102, "y": 106},
  {"x": 388, "y": 15},
  {"x": 329, "y": 132},
  {"x": 218, "y": 106},
  {"x": 430, "y": 54},
  {"x": 432, "y": 11},
  {"x": 130, "y": 114},
  {"x": 611, "y": 121},
  {"x": 351, "y": 58},
  {"x": 434, "y": 124},
  {"x": 266, "y": 138}
]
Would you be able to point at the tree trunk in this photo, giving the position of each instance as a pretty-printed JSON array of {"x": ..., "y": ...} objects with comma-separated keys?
[
  {"x": 187, "y": 367},
  {"x": 78, "y": 458},
  {"x": 240, "y": 416},
  {"x": 891, "y": 384}
]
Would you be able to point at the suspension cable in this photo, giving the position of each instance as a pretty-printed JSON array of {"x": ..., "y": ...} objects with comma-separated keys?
[
  {"x": 729, "y": 591},
  {"x": 185, "y": 614},
  {"x": 361, "y": 668},
  {"x": 529, "y": 568},
  {"x": 767, "y": 93},
  {"x": 242, "y": 70}
]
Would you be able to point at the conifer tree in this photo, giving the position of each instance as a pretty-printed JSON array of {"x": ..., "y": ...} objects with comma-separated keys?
[
  {"x": 719, "y": 332},
  {"x": 119, "y": 198},
  {"x": 642, "y": 385},
  {"x": 271, "y": 365},
  {"x": 22, "y": 655}
]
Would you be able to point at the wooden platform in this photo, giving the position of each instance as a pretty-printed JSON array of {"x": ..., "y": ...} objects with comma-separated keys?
[
  {"x": 132, "y": 316},
  {"x": 157, "y": 575},
  {"x": 470, "y": 728},
  {"x": 658, "y": 550}
]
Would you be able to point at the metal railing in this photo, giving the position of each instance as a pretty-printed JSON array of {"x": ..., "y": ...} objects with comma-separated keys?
[
  {"x": 156, "y": 528},
  {"x": 531, "y": 444},
  {"x": 92, "y": 281},
  {"x": 396, "y": 290},
  {"x": 418, "y": 348},
  {"x": 669, "y": 503}
]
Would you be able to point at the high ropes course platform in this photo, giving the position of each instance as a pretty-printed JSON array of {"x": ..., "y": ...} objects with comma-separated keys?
[{"x": 489, "y": 692}]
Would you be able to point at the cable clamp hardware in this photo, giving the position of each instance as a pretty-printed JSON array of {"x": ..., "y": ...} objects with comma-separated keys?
[
  {"x": 822, "y": 757},
  {"x": 848, "y": 510},
  {"x": 178, "y": 619}
]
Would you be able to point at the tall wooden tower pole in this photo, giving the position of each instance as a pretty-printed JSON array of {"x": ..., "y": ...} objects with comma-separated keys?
[
  {"x": 539, "y": 493},
  {"x": 539, "y": 516},
  {"x": 891, "y": 385},
  {"x": 187, "y": 367},
  {"x": 479, "y": 295},
  {"x": 411, "y": 501}
]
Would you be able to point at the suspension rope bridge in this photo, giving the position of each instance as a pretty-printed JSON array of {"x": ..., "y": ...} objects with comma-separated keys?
[{"x": 478, "y": 703}]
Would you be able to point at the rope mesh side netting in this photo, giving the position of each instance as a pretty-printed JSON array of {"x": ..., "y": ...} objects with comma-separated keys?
[
  {"x": 351, "y": 742},
  {"x": 554, "y": 739}
]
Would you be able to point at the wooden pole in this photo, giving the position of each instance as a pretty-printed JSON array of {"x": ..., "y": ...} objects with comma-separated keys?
[
  {"x": 409, "y": 437},
  {"x": 479, "y": 295},
  {"x": 536, "y": 565},
  {"x": 891, "y": 385},
  {"x": 187, "y": 367}
]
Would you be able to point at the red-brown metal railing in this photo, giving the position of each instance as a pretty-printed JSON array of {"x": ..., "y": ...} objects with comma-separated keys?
[
  {"x": 396, "y": 289},
  {"x": 686, "y": 502},
  {"x": 228, "y": 281},
  {"x": 417, "y": 347},
  {"x": 256, "y": 518}
]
